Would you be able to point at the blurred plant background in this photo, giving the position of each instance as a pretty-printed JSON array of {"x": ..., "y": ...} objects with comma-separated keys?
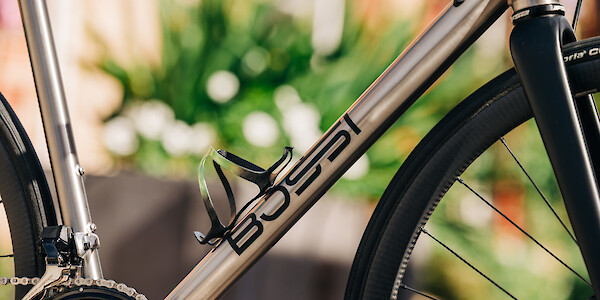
[{"x": 254, "y": 76}]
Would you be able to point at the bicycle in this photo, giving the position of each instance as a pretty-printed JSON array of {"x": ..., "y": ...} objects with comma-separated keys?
[{"x": 65, "y": 255}]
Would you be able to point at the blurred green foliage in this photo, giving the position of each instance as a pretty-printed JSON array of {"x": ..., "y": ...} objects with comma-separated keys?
[
  {"x": 266, "y": 49},
  {"x": 201, "y": 39}
]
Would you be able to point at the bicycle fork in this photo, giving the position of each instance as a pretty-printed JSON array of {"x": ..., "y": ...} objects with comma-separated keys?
[{"x": 535, "y": 43}]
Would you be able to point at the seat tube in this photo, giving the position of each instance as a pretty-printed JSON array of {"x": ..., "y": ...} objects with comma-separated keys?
[
  {"x": 68, "y": 174},
  {"x": 540, "y": 31}
]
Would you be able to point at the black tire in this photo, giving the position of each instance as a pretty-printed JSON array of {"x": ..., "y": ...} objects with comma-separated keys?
[
  {"x": 25, "y": 196},
  {"x": 434, "y": 165}
]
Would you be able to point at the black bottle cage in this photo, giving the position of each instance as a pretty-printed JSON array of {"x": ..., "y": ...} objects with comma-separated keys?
[{"x": 222, "y": 159}]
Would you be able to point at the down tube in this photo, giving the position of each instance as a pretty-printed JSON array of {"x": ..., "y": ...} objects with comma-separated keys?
[{"x": 377, "y": 108}]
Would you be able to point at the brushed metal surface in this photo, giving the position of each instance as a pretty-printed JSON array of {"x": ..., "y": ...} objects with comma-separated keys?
[
  {"x": 523, "y": 4},
  {"x": 57, "y": 125},
  {"x": 383, "y": 102}
]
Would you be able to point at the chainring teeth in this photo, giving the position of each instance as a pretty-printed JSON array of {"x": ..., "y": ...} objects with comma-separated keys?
[{"x": 110, "y": 287}]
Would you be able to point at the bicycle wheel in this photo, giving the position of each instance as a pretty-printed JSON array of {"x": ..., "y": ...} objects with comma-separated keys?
[
  {"x": 380, "y": 265},
  {"x": 25, "y": 197}
]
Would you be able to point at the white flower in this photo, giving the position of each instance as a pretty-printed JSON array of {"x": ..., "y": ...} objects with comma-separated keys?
[
  {"x": 176, "y": 138},
  {"x": 328, "y": 26},
  {"x": 222, "y": 86},
  {"x": 286, "y": 96},
  {"x": 301, "y": 122},
  {"x": 150, "y": 117},
  {"x": 255, "y": 61},
  {"x": 260, "y": 129},
  {"x": 119, "y": 136},
  {"x": 359, "y": 169},
  {"x": 202, "y": 135}
]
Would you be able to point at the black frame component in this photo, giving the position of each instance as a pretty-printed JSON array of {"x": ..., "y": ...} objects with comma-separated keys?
[
  {"x": 590, "y": 121},
  {"x": 535, "y": 45}
]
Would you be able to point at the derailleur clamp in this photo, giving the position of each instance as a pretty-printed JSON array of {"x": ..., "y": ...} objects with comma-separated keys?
[
  {"x": 264, "y": 179},
  {"x": 85, "y": 242}
]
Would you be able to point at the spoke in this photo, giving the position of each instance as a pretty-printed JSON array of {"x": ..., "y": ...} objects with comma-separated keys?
[
  {"x": 7, "y": 255},
  {"x": 522, "y": 231},
  {"x": 576, "y": 14},
  {"x": 467, "y": 263},
  {"x": 538, "y": 190},
  {"x": 408, "y": 288}
]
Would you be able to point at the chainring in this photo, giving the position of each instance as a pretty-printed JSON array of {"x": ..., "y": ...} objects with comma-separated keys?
[{"x": 85, "y": 292}]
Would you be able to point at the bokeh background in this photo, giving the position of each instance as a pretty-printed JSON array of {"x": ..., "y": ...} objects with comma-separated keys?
[{"x": 152, "y": 84}]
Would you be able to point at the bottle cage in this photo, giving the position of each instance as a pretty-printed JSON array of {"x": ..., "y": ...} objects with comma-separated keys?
[{"x": 240, "y": 167}]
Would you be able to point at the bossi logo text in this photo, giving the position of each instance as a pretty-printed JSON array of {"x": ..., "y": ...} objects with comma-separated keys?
[{"x": 252, "y": 226}]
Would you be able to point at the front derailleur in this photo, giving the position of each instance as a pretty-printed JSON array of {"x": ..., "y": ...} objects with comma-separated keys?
[{"x": 63, "y": 252}]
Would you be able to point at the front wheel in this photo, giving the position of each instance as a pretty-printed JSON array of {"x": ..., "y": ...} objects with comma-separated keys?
[{"x": 381, "y": 268}]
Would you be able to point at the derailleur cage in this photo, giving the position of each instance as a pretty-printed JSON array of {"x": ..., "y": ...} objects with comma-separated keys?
[{"x": 240, "y": 167}]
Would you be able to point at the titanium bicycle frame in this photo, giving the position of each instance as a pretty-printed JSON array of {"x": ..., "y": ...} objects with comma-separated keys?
[{"x": 402, "y": 83}]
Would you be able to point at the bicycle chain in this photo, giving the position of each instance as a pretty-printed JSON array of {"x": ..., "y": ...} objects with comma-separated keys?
[{"x": 110, "y": 284}]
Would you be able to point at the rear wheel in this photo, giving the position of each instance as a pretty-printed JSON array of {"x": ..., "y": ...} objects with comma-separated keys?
[
  {"x": 26, "y": 201},
  {"x": 399, "y": 221}
]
